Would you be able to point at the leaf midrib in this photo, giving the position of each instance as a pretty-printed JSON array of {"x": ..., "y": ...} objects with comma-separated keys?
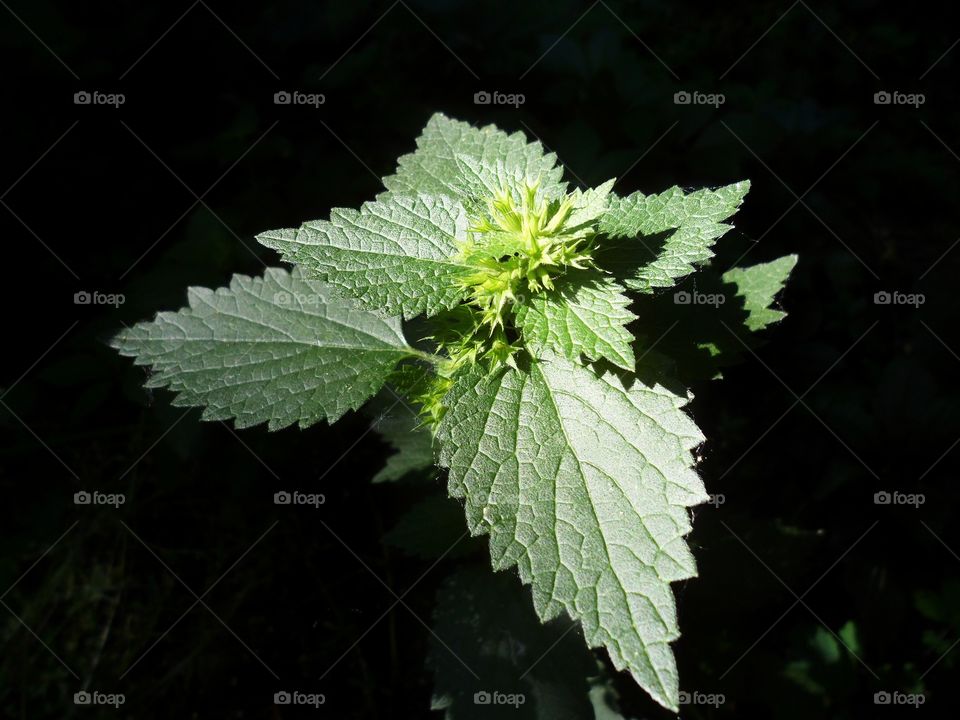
[{"x": 593, "y": 510}]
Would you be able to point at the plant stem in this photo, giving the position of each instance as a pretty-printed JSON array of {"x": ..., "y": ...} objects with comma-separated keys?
[{"x": 429, "y": 357}]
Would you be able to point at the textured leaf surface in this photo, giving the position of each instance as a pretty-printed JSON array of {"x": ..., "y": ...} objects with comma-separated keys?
[
  {"x": 279, "y": 349},
  {"x": 488, "y": 622},
  {"x": 584, "y": 485},
  {"x": 395, "y": 256},
  {"x": 480, "y": 179},
  {"x": 590, "y": 205},
  {"x": 590, "y": 319},
  {"x": 669, "y": 233},
  {"x": 758, "y": 285},
  {"x": 455, "y": 158}
]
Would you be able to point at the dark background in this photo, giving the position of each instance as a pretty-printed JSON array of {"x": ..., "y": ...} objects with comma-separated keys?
[{"x": 106, "y": 199}]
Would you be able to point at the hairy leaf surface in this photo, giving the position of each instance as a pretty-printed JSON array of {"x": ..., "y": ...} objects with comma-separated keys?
[
  {"x": 666, "y": 235},
  {"x": 398, "y": 256},
  {"x": 588, "y": 317},
  {"x": 278, "y": 349},
  {"x": 454, "y": 158},
  {"x": 583, "y": 483}
]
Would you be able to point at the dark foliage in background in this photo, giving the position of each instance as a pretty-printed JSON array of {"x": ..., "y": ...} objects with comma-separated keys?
[{"x": 848, "y": 397}]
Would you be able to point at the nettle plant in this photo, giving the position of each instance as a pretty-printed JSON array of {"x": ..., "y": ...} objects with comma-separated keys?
[{"x": 522, "y": 322}]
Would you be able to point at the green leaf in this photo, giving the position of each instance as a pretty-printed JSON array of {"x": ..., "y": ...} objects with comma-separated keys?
[
  {"x": 413, "y": 445},
  {"x": 590, "y": 205},
  {"x": 583, "y": 483},
  {"x": 457, "y": 159},
  {"x": 589, "y": 316},
  {"x": 485, "y": 625},
  {"x": 277, "y": 349},
  {"x": 397, "y": 256},
  {"x": 663, "y": 236},
  {"x": 480, "y": 180},
  {"x": 758, "y": 285},
  {"x": 694, "y": 342}
]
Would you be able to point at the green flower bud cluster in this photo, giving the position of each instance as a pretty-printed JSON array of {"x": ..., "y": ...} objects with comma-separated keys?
[{"x": 519, "y": 246}]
